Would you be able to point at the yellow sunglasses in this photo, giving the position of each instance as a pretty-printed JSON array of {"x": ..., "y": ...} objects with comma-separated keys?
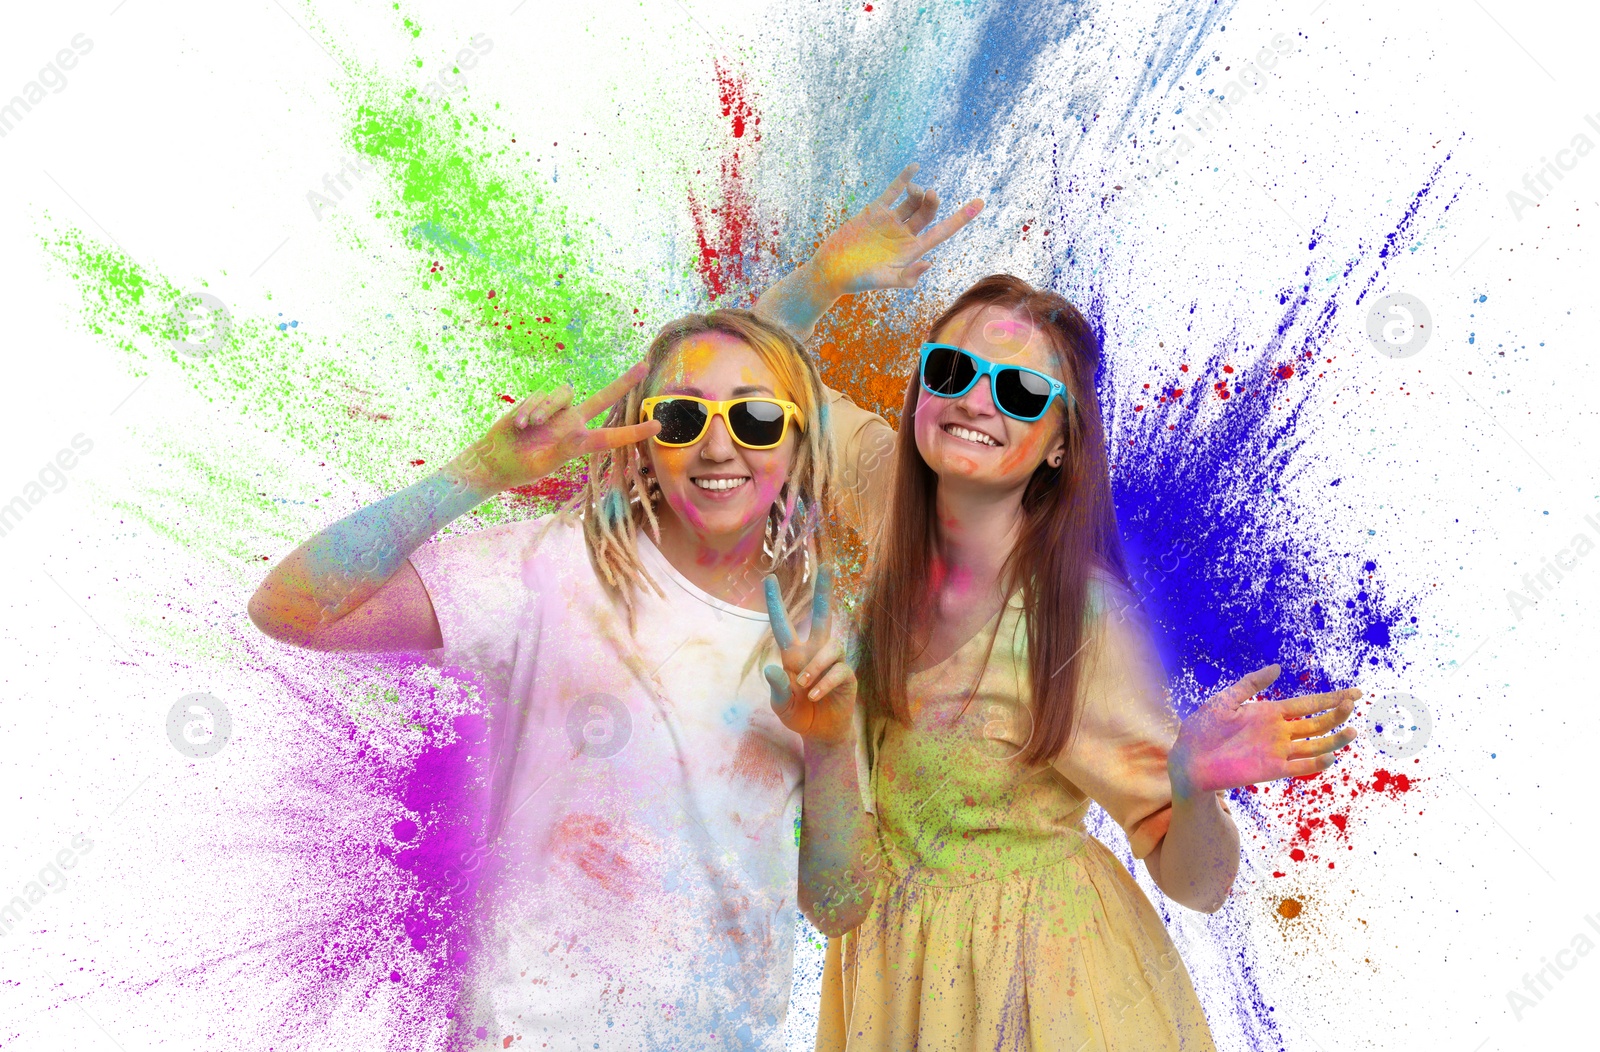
[{"x": 754, "y": 423}]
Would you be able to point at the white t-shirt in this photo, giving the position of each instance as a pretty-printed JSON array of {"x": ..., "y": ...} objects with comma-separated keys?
[{"x": 643, "y": 802}]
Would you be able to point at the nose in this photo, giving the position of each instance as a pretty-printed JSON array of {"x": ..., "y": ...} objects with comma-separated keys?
[
  {"x": 717, "y": 446},
  {"x": 980, "y": 400}
]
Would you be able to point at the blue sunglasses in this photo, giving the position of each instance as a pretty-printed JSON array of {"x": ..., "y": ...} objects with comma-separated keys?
[{"x": 1022, "y": 394}]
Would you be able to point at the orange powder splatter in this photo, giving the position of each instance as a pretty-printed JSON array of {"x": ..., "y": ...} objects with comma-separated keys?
[{"x": 869, "y": 349}]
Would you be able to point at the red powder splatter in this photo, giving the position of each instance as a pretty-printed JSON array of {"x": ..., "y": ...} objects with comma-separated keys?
[
  {"x": 591, "y": 844},
  {"x": 730, "y": 232},
  {"x": 1285, "y": 371},
  {"x": 1309, "y": 810},
  {"x": 757, "y": 761},
  {"x": 558, "y": 488},
  {"x": 418, "y": 463},
  {"x": 1392, "y": 784},
  {"x": 507, "y": 398},
  {"x": 736, "y": 102}
]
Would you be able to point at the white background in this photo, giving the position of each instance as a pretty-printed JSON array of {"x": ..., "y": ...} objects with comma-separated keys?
[{"x": 191, "y": 133}]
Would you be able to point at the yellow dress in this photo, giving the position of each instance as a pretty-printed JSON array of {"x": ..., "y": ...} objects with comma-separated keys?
[{"x": 998, "y": 923}]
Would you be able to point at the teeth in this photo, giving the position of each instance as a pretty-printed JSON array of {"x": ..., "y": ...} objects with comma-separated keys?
[
  {"x": 720, "y": 484},
  {"x": 970, "y": 435}
]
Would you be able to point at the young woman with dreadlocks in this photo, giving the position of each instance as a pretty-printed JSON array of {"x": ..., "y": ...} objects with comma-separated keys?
[{"x": 637, "y": 874}]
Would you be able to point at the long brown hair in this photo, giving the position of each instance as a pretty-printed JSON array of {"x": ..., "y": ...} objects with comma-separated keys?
[
  {"x": 1068, "y": 530},
  {"x": 617, "y": 499}
]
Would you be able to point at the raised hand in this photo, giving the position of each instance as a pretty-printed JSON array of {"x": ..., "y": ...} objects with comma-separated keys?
[
  {"x": 545, "y": 431},
  {"x": 814, "y": 693},
  {"x": 1232, "y": 741},
  {"x": 882, "y": 246}
]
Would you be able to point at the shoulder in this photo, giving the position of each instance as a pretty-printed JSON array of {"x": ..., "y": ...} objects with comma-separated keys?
[
  {"x": 845, "y": 420},
  {"x": 1118, "y": 631},
  {"x": 1108, "y": 595}
]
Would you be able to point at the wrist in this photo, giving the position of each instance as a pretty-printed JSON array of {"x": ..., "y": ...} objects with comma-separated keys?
[
  {"x": 1182, "y": 780},
  {"x": 456, "y": 490},
  {"x": 822, "y": 753},
  {"x": 823, "y": 280},
  {"x": 470, "y": 473}
]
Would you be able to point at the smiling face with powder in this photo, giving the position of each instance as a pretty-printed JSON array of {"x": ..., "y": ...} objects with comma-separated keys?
[
  {"x": 967, "y": 441},
  {"x": 717, "y": 493},
  {"x": 737, "y": 482}
]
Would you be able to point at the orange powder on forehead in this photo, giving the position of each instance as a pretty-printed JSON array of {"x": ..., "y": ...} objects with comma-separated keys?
[
  {"x": 690, "y": 356},
  {"x": 748, "y": 378}
]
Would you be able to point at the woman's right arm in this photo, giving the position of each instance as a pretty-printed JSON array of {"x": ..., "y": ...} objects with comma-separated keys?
[{"x": 352, "y": 586}]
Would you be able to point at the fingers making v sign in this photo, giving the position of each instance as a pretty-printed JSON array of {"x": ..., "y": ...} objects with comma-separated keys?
[
  {"x": 814, "y": 692},
  {"x": 545, "y": 431}
]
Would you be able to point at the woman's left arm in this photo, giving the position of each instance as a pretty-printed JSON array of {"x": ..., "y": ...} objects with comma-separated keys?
[
  {"x": 1195, "y": 863},
  {"x": 1230, "y": 741},
  {"x": 814, "y": 694},
  {"x": 1162, "y": 780}
]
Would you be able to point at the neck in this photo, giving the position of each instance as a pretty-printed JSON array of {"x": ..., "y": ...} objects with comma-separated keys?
[
  {"x": 977, "y": 529},
  {"x": 730, "y": 567}
]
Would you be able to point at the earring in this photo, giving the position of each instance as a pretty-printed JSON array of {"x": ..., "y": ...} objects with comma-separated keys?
[
  {"x": 769, "y": 539},
  {"x": 784, "y": 535},
  {"x": 652, "y": 488}
]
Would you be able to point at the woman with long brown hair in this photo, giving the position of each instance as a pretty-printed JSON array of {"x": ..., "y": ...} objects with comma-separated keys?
[{"x": 1007, "y": 681}]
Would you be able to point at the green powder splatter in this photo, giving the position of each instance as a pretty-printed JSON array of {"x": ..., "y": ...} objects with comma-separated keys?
[{"x": 506, "y": 296}]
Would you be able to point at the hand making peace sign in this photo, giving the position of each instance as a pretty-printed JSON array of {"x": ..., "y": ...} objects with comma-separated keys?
[
  {"x": 544, "y": 432},
  {"x": 814, "y": 693}
]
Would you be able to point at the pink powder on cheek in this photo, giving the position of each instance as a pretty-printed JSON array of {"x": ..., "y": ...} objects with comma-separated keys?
[
  {"x": 925, "y": 425},
  {"x": 767, "y": 489},
  {"x": 685, "y": 510}
]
